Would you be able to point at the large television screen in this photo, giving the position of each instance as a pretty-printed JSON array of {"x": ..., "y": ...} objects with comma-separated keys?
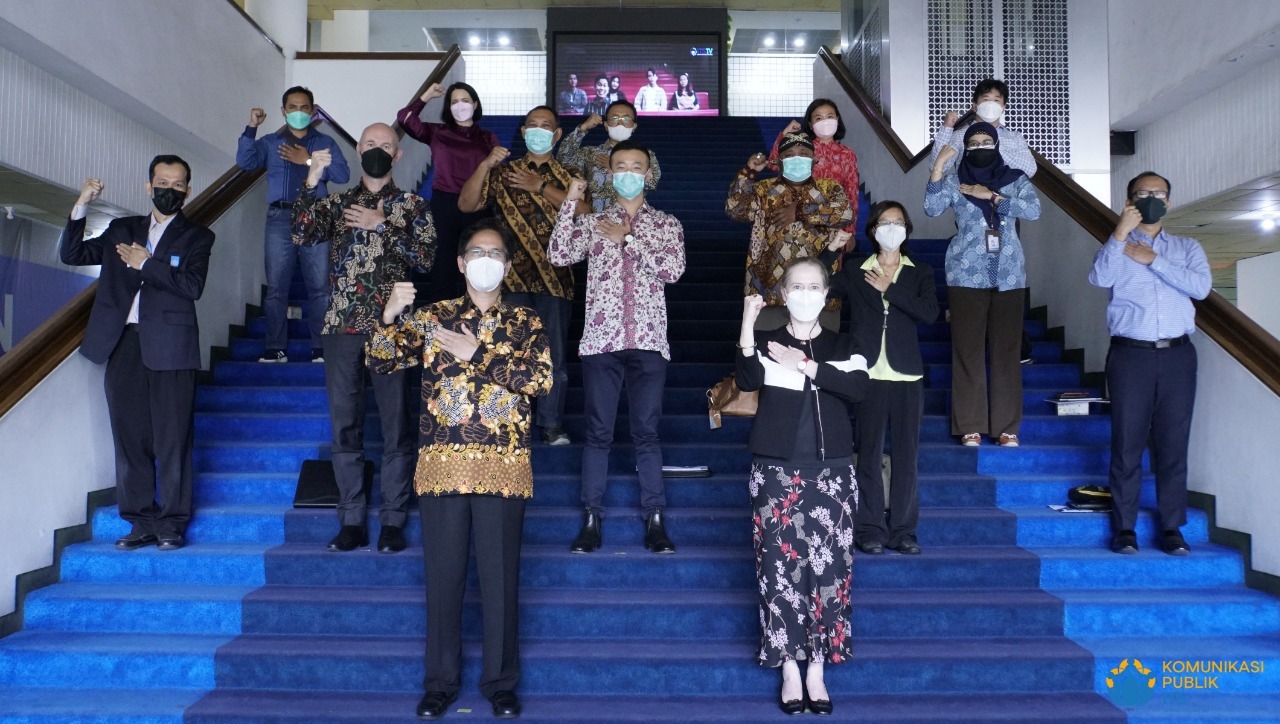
[{"x": 671, "y": 75}]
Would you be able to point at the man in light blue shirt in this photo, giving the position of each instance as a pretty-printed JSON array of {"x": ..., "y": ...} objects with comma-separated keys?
[{"x": 1151, "y": 366}]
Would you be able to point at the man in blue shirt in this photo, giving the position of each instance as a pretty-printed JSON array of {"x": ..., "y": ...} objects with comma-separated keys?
[
  {"x": 1151, "y": 366},
  {"x": 287, "y": 156}
]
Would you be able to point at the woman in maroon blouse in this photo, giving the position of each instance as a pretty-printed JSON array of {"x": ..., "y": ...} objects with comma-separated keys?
[{"x": 458, "y": 145}]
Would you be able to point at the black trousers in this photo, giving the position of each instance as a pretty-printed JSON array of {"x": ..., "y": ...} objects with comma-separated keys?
[
  {"x": 898, "y": 406},
  {"x": 152, "y": 425},
  {"x": 444, "y": 281},
  {"x": 644, "y": 373},
  {"x": 554, "y": 311},
  {"x": 986, "y": 323},
  {"x": 344, "y": 379},
  {"x": 1153, "y": 393},
  {"x": 449, "y": 523}
]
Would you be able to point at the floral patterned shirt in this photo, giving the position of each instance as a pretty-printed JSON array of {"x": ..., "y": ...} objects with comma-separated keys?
[
  {"x": 474, "y": 433},
  {"x": 592, "y": 164},
  {"x": 530, "y": 217},
  {"x": 835, "y": 161},
  {"x": 822, "y": 210},
  {"x": 626, "y": 284},
  {"x": 364, "y": 265},
  {"x": 968, "y": 263}
]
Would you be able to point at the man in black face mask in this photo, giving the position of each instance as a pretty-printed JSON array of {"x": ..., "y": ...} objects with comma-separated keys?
[
  {"x": 143, "y": 325},
  {"x": 1151, "y": 367},
  {"x": 376, "y": 234}
]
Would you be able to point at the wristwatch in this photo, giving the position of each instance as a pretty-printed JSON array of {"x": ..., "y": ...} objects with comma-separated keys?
[
  {"x": 628, "y": 239},
  {"x": 802, "y": 364},
  {"x": 381, "y": 227},
  {"x": 308, "y": 162}
]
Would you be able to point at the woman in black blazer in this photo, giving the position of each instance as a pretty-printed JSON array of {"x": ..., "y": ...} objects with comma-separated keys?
[
  {"x": 804, "y": 496},
  {"x": 889, "y": 295}
]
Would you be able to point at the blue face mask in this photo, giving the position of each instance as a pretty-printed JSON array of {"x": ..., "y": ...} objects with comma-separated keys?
[
  {"x": 538, "y": 140},
  {"x": 797, "y": 168},
  {"x": 297, "y": 120},
  {"x": 628, "y": 184}
]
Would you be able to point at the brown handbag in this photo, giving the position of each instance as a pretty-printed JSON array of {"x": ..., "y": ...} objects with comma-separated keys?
[{"x": 726, "y": 399}]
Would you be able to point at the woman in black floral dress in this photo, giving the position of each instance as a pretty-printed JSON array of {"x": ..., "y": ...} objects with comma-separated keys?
[{"x": 803, "y": 493}]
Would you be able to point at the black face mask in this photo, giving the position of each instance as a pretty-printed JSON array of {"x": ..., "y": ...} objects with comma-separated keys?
[
  {"x": 168, "y": 201},
  {"x": 981, "y": 157},
  {"x": 1151, "y": 208},
  {"x": 375, "y": 162}
]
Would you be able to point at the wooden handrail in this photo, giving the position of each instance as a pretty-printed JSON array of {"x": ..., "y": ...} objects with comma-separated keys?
[
  {"x": 442, "y": 69},
  {"x": 1243, "y": 338},
  {"x": 256, "y": 26}
]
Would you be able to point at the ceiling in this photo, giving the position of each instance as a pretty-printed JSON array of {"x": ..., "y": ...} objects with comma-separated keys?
[{"x": 323, "y": 9}]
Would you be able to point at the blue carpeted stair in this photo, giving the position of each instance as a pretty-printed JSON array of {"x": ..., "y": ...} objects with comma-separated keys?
[{"x": 1014, "y": 612}]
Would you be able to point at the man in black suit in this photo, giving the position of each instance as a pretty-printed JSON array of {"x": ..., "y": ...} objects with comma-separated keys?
[{"x": 143, "y": 325}]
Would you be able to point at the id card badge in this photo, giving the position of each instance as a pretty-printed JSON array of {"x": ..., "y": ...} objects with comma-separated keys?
[{"x": 993, "y": 241}]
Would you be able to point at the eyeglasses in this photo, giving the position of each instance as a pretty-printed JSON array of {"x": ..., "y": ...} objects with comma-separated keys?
[
  {"x": 900, "y": 224},
  {"x": 1162, "y": 195},
  {"x": 984, "y": 144},
  {"x": 627, "y": 121},
  {"x": 477, "y": 253}
]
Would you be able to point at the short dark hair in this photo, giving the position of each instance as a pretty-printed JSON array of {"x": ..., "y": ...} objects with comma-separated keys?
[
  {"x": 311, "y": 99},
  {"x": 168, "y": 159},
  {"x": 612, "y": 78},
  {"x": 446, "y": 114},
  {"x": 986, "y": 85},
  {"x": 620, "y": 102},
  {"x": 627, "y": 145},
  {"x": 807, "y": 126},
  {"x": 801, "y": 261},
  {"x": 651, "y": 70},
  {"x": 602, "y": 77},
  {"x": 1128, "y": 192},
  {"x": 873, "y": 219},
  {"x": 548, "y": 109},
  {"x": 493, "y": 224}
]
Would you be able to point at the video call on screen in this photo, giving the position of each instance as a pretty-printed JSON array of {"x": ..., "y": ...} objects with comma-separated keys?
[{"x": 623, "y": 66}]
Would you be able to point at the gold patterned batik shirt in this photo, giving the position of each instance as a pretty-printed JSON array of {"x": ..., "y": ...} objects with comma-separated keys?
[
  {"x": 531, "y": 218},
  {"x": 822, "y": 210},
  {"x": 474, "y": 431}
]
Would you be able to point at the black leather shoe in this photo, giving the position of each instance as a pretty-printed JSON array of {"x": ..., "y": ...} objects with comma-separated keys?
[
  {"x": 1172, "y": 542},
  {"x": 588, "y": 539},
  {"x": 171, "y": 541},
  {"x": 874, "y": 548},
  {"x": 820, "y": 706},
  {"x": 391, "y": 539},
  {"x": 655, "y": 535},
  {"x": 349, "y": 538},
  {"x": 435, "y": 704},
  {"x": 908, "y": 547},
  {"x": 793, "y": 707},
  {"x": 135, "y": 540},
  {"x": 1125, "y": 542},
  {"x": 506, "y": 705}
]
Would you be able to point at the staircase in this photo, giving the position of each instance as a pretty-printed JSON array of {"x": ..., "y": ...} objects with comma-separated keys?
[{"x": 1013, "y": 613}]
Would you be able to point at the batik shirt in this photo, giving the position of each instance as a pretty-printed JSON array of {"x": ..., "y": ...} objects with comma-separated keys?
[
  {"x": 968, "y": 263},
  {"x": 822, "y": 211},
  {"x": 365, "y": 265},
  {"x": 835, "y": 161},
  {"x": 531, "y": 218},
  {"x": 592, "y": 164},
  {"x": 626, "y": 283},
  {"x": 473, "y": 437}
]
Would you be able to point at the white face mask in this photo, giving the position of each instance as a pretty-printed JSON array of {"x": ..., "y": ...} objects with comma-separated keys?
[
  {"x": 890, "y": 236},
  {"x": 620, "y": 133},
  {"x": 462, "y": 111},
  {"x": 485, "y": 274},
  {"x": 989, "y": 111},
  {"x": 805, "y": 305},
  {"x": 826, "y": 128}
]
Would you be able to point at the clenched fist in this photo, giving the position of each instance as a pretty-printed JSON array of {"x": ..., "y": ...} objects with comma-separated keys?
[
  {"x": 577, "y": 188},
  {"x": 495, "y": 157},
  {"x": 435, "y": 90},
  {"x": 402, "y": 296},
  {"x": 592, "y": 121},
  {"x": 256, "y": 117},
  {"x": 320, "y": 160},
  {"x": 90, "y": 192}
]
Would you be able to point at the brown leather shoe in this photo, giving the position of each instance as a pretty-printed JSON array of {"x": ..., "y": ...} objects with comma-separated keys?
[{"x": 1007, "y": 440}]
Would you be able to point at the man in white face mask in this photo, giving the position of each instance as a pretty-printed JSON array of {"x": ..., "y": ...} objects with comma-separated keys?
[
  {"x": 592, "y": 162},
  {"x": 989, "y": 99},
  {"x": 482, "y": 359}
]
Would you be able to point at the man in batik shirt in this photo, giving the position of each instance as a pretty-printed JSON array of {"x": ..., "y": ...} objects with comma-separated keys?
[
  {"x": 793, "y": 215},
  {"x": 376, "y": 234},
  {"x": 482, "y": 359},
  {"x": 592, "y": 162}
]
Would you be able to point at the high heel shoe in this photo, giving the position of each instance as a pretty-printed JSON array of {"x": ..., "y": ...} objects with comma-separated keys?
[
  {"x": 820, "y": 706},
  {"x": 793, "y": 707}
]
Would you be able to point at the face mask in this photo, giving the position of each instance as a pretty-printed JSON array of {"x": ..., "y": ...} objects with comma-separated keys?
[
  {"x": 462, "y": 111},
  {"x": 797, "y": 168},
  {"x": 297, "y": 120},
  {"x": 620, "y": 133},
  {"x": 375, "y": 162},
  {"x": 890, "y": 236},
  {"x": 1151, "y": 208},
  {"x": 167, "y": 201},
  {"x": 826, "y": 128},
  {"x": 628, "y": 184},
  {"x": 538, "y": 140},
  {"x": 989, "y": 111},
  {"x": 981, "y": 157},
  {"x": 806, "y": 305},
  {"x": 485, "y": 274}
]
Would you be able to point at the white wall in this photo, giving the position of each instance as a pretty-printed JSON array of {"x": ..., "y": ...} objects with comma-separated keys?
[
  {"x": 906, "y": 61},
  {"x": 348, "y": 32},
  {"x": 56, "y": 450},
  {"x": 1233, "y": 454},
  {"x": 1257, "y": 293}
]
